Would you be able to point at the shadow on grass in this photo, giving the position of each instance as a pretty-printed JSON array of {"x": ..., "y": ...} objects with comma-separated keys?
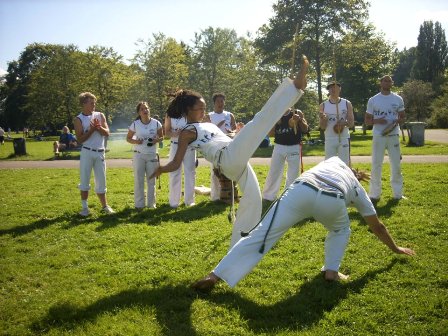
[
  {"x": 173, "y": 306},
  {"x": 152, "y": 217}
]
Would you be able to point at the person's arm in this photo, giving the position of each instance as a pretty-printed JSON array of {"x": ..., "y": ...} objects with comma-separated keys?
[
  {"x": 350, "y": 115},
  {"x": 401, "y": 117},
  {"x": 159, "y": 134},
  {"x": 129, "y": 138},
  {"x": 323, "y": 118},
  {"x": 102, "y": 127},
  {"x": 300, "y": 120},
  {"x": 79, "y": 131},
  {"x": 185, "y": 137},
  {"x": 380, "y": 230}
]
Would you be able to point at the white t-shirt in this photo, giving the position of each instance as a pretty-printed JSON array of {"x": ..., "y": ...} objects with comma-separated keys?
[
  {"x": 216, "y": 118},
  {"x": 144, "y": 132},
  {"x": 176, "y": 126},
  {"x": 387, "y": 107},
  {"x": 334, "y": 172},
  {"x": 331, "y": 112},
  {"x": 96, "y": 140},
  {"x": 210, "y": 139}
]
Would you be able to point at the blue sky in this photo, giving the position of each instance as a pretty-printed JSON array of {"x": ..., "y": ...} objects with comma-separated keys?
[{"x": 119, "y": 24}]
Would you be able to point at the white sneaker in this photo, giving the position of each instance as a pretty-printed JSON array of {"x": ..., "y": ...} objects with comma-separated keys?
[
  {"x": 108, "y": 210},
  {"x": 85, "y": 212}
]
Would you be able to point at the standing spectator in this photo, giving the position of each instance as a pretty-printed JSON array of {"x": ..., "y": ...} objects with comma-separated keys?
[
  {"x": 336, "y": 118},
  {"x": 2, "y": 136},
  {"x": 173, "y": 127},
  {"x": 144, "y": 133},
  {"x": 66, "y": 141},
  {"x": 225, "y": 120},
  {"x": 385, "y": 111},
  {"x": 231, "y": 157},
  {"x": 287, "y": 147},
  {"x": 91, "y": 129},
  {"x": 323, "y": 193}
]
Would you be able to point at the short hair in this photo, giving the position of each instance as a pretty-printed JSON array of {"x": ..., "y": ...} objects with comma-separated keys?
[
  {"x": 85, "y": 96},
  {"x": 217, "y": 95},
  {"x": 386, "y": 76},
  {"x": 181, "y": 101}
]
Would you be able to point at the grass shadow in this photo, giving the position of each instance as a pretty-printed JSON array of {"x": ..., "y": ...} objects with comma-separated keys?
[{"x": 172, "y": 306}]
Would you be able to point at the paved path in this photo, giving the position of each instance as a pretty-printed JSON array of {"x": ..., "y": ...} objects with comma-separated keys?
[
  {"x": 127, "y": 163},
  {"x": 437, "y": 135}
]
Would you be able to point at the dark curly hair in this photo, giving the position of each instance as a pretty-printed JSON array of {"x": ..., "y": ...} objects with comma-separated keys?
[{"x": 181, "y": 101}]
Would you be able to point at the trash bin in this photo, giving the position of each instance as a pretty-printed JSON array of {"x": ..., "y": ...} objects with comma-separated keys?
[
  {"x": 416, "y": 133},
  {"x": 19, "y": 146}
]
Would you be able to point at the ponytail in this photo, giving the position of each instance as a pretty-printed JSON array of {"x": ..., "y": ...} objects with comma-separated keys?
[{"x": 181, "y": 101}]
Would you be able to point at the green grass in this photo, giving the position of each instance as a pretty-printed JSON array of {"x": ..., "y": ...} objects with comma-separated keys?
[
  {"x": 128, "y": 273},
  {"x": 120, "y": 149}
]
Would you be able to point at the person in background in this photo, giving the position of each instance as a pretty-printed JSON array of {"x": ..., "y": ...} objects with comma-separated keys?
[
  {"x": 385, "y": 111},
  {"x": 91, "y": 129},
  {"x": 336, "y": 118},
  {"x": 323, "y": 193},
  {"x": 66, "y": 141},
  {"x": 225, "y": 121},
  {"x": 287, "y": 134},
  {"x": 145, "y": 133},
  {"x": 231, "y": 157},
  {"x": 172, "y": 128}
]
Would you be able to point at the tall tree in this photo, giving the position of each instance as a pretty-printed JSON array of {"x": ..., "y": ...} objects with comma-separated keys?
[
  {"x": 320, "y": 24},
  {"x": 431, "y": 53},
  {"x": 406, "y": 59},
  {"x": 416, "y": 95}
]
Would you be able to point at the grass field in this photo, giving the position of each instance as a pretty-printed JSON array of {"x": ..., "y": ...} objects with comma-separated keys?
[
  {"x": 128, "y": 273},
  {"x": 120, "y": 149}
]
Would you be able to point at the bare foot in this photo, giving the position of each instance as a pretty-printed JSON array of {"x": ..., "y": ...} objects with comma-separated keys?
[
  {"x": 335, "y": 276},
  {"x": 300, "y": 80}
]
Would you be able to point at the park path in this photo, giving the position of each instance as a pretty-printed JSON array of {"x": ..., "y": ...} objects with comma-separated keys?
[{"x": 127, "y": 163}]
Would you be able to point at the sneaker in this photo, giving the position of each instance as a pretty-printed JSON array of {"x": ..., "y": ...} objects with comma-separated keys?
[
  {"x": 108, "y": 210},
  {"x": 85, "y": 212}
]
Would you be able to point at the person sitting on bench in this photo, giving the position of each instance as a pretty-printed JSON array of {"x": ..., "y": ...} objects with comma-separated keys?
[{"x": 66, "y": 141}]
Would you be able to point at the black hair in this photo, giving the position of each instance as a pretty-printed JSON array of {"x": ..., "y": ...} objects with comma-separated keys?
[
  {"x": 138, "y": 109},
  {"x": 180, "y": 103},
  {"x": 216, "y": 95}
]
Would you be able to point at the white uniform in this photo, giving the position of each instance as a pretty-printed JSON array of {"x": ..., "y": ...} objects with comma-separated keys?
[
  {"x": 92, "y": 156},
  {"x": 226, "y": 127},
  {"x": 189, "y": 166},
  {"x": 388, "y": 107},
  {"x": 145, "y": 162},
  {"x": 232, "y": 156},
  {"x": 336, "y": 144},
  {"x": 323, "y": 193}
]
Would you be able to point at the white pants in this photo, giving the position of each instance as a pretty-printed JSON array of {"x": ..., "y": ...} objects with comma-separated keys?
[
  {"x": 144, "y": 166},
  {"x": 175, "y": 177},
  {"x": 297, "y": 203},
  {"x": 334, "y": 147},
  {"x": 281, "y": 153},
  {"x": 235, "y": 157},
  {"x": 96, "y": 160},
  {"x": 379, "y": 145}
]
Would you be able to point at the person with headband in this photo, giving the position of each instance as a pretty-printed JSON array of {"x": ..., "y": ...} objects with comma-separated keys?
[{"x": 231, "y": 157}]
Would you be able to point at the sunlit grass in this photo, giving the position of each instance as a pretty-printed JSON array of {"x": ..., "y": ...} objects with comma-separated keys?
[{"x": 128, "y": 273}]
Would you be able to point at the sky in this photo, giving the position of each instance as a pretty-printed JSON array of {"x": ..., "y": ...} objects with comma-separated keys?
[{"x": 121, "y": 23}]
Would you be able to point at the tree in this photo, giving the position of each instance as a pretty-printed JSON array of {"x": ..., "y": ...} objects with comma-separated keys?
[
  {"x": 416, "y": 95},
  {"x": 163, "y": 62},
  {"x": 431, "y": 53},
  {"x": 320, "y": 24},
  {"x": 406, "y": 59},
  {"x": 439, "y": 107}
]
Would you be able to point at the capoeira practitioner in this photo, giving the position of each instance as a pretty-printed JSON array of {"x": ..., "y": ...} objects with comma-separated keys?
[
  {"x": 145, "y": 133},
  {"x": 336, "y": 118},
  {"x": 288, "y": 147},
  {"x": 322, "y": 193},
  {"x": 385, "y": 111},
  {"x": 172, "y": 127},
  {"x": 231, "y": 157}
]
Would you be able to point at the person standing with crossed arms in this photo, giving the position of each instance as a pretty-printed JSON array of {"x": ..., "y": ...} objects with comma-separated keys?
[
  {"x": 288, "y": 147},
  {"x": 336, "y": 118}
]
